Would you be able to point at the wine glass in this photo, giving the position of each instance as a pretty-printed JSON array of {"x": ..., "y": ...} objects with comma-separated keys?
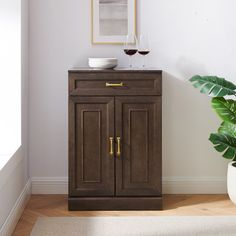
[
  {"x": 143, "y": 48},
  {"x": 130, "y": 47}
]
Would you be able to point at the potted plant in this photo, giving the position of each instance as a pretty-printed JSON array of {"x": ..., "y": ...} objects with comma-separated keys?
[{"x": 224, "y": 140}]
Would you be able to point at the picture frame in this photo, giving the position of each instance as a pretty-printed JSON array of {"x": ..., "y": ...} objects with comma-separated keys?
[{"x": 112, "y": 21}]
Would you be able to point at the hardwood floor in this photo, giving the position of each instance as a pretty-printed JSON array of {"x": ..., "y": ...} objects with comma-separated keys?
[{"x": 180, "y": 205}]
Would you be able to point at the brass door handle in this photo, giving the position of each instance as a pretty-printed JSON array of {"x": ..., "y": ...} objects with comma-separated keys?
[
  {"x": 114, "y": 85},
  {"x": 111, "y": 150},
  {"x": 118, "y": 153}
]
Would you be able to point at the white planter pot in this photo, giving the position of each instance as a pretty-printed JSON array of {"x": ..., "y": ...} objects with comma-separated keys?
[{"x": 231, "y": 182}]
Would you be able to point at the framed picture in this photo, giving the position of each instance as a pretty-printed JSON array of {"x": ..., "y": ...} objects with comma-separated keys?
[{"x": 112, "y": 20}]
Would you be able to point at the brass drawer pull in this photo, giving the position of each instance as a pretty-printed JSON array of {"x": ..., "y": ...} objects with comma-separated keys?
[
  {"x": 111, "y": 152},
  {"x": 114, "y": 85},
  {"x": 118, "y": 147}
]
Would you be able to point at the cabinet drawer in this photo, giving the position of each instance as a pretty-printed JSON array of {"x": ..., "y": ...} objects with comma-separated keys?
[{"x": 105, "y": 83}]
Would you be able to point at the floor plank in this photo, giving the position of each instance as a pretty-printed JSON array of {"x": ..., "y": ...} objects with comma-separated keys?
[{"x": 174, "y": 205}]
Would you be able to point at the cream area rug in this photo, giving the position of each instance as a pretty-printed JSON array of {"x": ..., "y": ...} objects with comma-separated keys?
[{"x": 136, "y": 226}]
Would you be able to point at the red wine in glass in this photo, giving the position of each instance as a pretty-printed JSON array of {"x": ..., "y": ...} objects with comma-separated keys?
[
  {"x": 143, "y": 48},
  {"x": 144, "y": 53},
  {"x": 130, "y": 47},
  {"x": 130, "y": 52}
]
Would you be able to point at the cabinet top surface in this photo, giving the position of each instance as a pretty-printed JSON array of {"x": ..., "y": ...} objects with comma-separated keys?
[{"x": 117, "y": 70}]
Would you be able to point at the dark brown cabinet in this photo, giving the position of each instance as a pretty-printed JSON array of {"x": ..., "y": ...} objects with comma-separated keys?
[
  {"x": 91, "y": 166},
  {"x": 115, "y": 140}
]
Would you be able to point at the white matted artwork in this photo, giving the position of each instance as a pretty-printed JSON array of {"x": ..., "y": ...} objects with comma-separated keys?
[{"x": 113, "y": 20}]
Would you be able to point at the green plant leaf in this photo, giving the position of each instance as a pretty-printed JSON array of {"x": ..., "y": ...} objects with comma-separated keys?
[
  {"x": 226, "y": 109},
  {"x": 213, "y": 86},
  {"x": 224, "y": 143},
  {"x": 228, "y": 129}
]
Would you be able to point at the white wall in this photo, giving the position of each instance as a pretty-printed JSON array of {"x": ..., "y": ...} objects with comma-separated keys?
[
  {"x": 14, "y": 176},
  {"x": 187, "y": 37}
]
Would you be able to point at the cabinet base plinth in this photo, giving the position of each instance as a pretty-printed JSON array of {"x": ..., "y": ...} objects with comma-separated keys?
[{"x": 114, "y": 203}]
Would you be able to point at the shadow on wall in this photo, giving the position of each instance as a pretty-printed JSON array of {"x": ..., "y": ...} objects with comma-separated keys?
[
  {"x": 188, "y": 68},
  {"x": 187, "y": 122}
]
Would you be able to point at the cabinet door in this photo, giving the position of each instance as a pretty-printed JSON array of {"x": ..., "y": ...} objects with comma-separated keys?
[
  {"x": 138, "y": 124},
  {"x": 91, "y": 168}
]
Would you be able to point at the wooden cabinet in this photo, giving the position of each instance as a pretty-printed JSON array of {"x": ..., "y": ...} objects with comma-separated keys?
[
  {"x": 138, "y": 169},
  {"x": 91, "y": 167},
  {"x": 115, "y": 140}
]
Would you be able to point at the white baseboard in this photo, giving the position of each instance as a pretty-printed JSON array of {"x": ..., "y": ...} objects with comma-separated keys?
[
  {"x": 194, "y": 185},
  {"x": 52, "y": 185},
  {"x": 173, "y": 185},
  {"x": 16, "y": 212}
]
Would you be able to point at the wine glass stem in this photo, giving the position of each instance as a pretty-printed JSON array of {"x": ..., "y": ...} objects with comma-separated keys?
[
  {"x": 130, "y": 62},
  {"x": 144, "y": 61}
]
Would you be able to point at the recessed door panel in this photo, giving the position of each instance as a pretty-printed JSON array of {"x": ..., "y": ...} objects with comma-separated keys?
[
  {"x": 138, "y": 167},
  {"x": 91, "y": 165}
]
